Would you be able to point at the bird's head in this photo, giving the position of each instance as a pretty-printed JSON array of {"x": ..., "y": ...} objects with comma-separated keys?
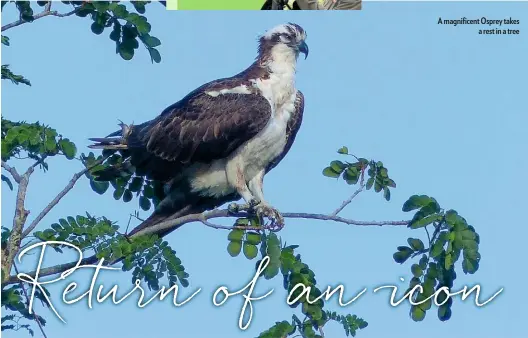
[{"x": 283, "y": 41}]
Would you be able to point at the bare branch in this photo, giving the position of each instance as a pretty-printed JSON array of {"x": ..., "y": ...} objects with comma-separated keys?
[
  {"x": 12, "y": 171},
  {"x": 349, "y": 200},
  {"x": 57, "y": 198},
  {"x": 47, "y": 12},
  {"x": 176, "y": 223},
  {"x": 35, "y": 316}
]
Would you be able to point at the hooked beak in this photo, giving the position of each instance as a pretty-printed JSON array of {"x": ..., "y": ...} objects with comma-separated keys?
[{"x": 303, "y": 48}]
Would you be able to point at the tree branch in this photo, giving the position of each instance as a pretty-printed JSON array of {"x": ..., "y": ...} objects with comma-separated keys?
[
  {"x": 167, "y": 226},
  {"x": 13, "y": 245},
  {"x": 175, "y": 223},
  {"x": 47, "y": 12},
  {"x": 12, "y": 171},
  {"x": 57, "y": 198}
]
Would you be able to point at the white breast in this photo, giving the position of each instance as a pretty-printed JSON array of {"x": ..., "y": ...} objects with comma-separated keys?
[{"x": 256, "y": 154}]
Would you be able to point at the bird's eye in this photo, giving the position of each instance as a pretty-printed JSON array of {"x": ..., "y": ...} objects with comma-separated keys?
[{"x": 284, "y": 38}]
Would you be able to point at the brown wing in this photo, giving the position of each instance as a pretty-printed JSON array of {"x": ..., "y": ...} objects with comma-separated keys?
[
  {"x": 199, "y": 128},
  {"x": 291, "y": 129}
]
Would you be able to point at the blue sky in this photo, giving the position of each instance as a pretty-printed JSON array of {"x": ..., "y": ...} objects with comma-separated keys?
[{"x": 442, "y": 107}]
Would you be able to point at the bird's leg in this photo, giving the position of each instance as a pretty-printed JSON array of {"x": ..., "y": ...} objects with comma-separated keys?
[
  {"x": 264, "y": 209},
  {"x": 237, "y": 179}
]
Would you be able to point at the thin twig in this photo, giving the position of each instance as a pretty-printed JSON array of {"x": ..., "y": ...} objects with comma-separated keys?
[
  {"x": 27, "y": 303},
  {"x": 57, "y": 198},
  {"x": 12, "y": 171},
  {"x": 46, "y": 12},
  {"x": 349, "y": 200}
]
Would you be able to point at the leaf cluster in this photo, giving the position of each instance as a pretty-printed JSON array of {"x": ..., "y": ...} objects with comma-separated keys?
[
  {"x": 85, "y": 232},
  {"x": 452, "y": 238},
  {"x": 14, "y": 300},
  {"x": 352, "y": 172},
  {"x": 150, "y": 258},
  {"x": 112, "y": 170},
  {"x": 242, "y": 240},
  {"x": 7, "y": 74},
  {"x": 294, "y": 271},
  {"x": 34, "y": 140},
  {"x": 128, "y": 29}
]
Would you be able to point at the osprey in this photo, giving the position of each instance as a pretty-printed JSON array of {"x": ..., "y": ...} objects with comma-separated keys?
[{"x": 217, "y": 143}]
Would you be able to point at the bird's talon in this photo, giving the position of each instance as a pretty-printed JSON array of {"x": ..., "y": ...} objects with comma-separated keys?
[
  {"x": 275, "y": 218},
  {"x": 233, "y": 208},
  {"x": 253, "y": 203}
]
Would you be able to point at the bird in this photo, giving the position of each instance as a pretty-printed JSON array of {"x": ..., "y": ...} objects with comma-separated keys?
[{"x": 217, "y": 143}]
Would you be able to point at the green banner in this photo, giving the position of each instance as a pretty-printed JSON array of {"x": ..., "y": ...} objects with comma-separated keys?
[{"x": 215, "y": 4}]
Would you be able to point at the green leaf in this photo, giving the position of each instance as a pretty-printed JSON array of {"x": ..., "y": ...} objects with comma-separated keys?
[
  {"x": 444, "y": 312},
  {"x": 235, "y": 235},
  {"x": 343, "y": 150},
  {"x": 391, "y": 183},
  {"x": 420, "y": 223},
  {"x": 253, "y": 238},
  {"x": 329, "y": 172},
  {"x": 233, "y": 248},
  {"x": 68, "y": 148},
  {"x": 150, "y": 41},
  {"x": 99, "y": 187},
  {"x": 142, "y": 25},
  {"x": 470, "y": 266},
  {"x": 437, "y": 249},
  {"x": 416, "y": 244},
  {"x": 154, "y": 55},
  {"x": 136, "y": 184},
  {"x": 97, "y": 28},
  {"x": 50, "y": 144},
  {"x": 127, "y": 53},
  {"x": 386, "y": 193},
  {"x": 448, "y": 261},
  {"x": 139, "y": 6},
  {"x": 338, "y": 166},
  {"x": 451, "y": 217},
  {"x": 416, "y": 270},
  {"x": 120, "y": 11},
  {"x": 101, "y": 6},
  {"x": 127, "y": 196},
  {"x": 5, "y": 40},
  {"x": 351, "y": 175},
  {"x": 417, "y": 313},
  {"x": 250, "y": 250},
  {"x": 423, "y": 262},
  {"x": 416, "y": 202},
  {"x": 144, "y": 203},
  {"x": 370, "y": 182},
  {"x": 402, "y": 254},
  {"x": 115, "y": 35}
]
